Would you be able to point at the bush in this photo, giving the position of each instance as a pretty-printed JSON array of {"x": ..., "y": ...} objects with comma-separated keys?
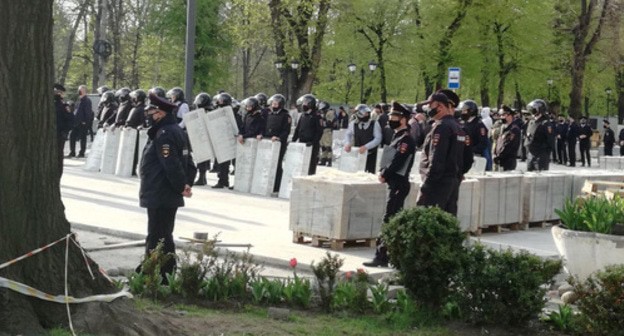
[
  {"x": 326, "y": 272},
  {"x": 425, "y": 245},
  {"x": 593, "y": 214},
  {"x": 502, "y": 287},
  {"x": 601, "y": 302}
]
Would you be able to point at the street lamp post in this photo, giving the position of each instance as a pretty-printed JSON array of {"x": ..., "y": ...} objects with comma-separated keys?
[
  {"x": 371, "y": 66},
  {"x": 608, "y": 92},
  {"x": 550, "y": 84}
]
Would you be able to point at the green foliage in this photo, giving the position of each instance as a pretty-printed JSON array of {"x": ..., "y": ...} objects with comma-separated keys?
[
  {"x": 192, "y": 272},
  {"x": 563, "y": 319},
  {"x": 425, "y": 245},
  {"x": 601, "y": 302},
  {"x": 593, "y": 214},
  {"x": 326, "y": 272},
  {"x": 502, "y": 287},
  {"x": 297, "y": 292},
  {"x": 380, "y": 297},
  {"x": 148, "y": 282},
  {"x": 229, "y": 278}
]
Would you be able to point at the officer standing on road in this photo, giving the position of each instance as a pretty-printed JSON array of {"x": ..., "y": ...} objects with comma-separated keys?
[
  {"x": 474, "y": 127},
  {"x": 83, "y": 120},
  {"x": 125, "y": 105},
  {"x": 309, "y": 129},
  {"x": 64, "y": 122},
  {"x": 571, "y": 139},
  {"x": 136, "y": 118},
  {"x": 446, "y": 156},
  {"x": 365, "y": 134},
  {"x": 540, "y": 136},
  {"x": 396, "y": 165},
  {"x": 608, "y": 138},
  {"x": 508, "y": 142},
  {"x": 223, "y": 168},
  {"x": 254, "y": 123},
  {"x": 108, "y": 113},
  {"x": 278, "y": 126},
  {"x": 204, "y": 101},
  {"x": 585, "y": 134},
  {"x": 176, "y": 96},
  {"x": 561, "y": 129},
  {"x": 167, "y": 173}
]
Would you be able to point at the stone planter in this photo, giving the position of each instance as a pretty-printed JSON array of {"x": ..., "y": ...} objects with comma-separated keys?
[{"x": 587, "y": 252}]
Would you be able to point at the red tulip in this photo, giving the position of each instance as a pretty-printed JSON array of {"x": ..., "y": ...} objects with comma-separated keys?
[{"x": 293, "y": 262}]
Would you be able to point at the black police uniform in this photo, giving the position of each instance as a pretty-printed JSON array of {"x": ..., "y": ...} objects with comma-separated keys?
[
  {"x": 608, "y": 140},
  {"x": 122, "y": 113},
  {"x": 571, "y": 138},
  {"x": 83, "y": 119},
  {"x": 478, "y": 135},
  {"x": 108, "y": 114},
  {"x": 278, "y": 124},
  {"x": 561, "y": 130},
  {"x": 585, "y": 144},
  {"x": 64, "y": 124},
  {"x": 507, "y": 146},
  {"x": 253, "y": 125},
  {"x": 309, "y": 131},
  {"x": 442, "y": 164},
  {"x": 166, "y": 167},
  {"x": 621, "y": 139},
  {"x": 540, "y": 143},
  {"x": 136, "y": 117}
]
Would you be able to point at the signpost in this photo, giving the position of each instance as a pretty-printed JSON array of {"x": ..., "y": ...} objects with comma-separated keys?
[{"x": 453, "y": 78}]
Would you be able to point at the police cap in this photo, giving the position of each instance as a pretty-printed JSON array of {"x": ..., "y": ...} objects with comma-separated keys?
[
  {"x": 158, "y": 103},
  {"x": 400, "y": 110}
]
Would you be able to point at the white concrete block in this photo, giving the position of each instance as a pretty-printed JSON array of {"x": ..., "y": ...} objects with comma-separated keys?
[
  {"x": 195, "y": 122},
  {"x": 265, "y": 167},
  {"x": 222, "y": 130},
  {"x": 94, "y": 156},
  {"x": 109, "y": 153},
  {"x": 543, "y": 193},
  {"x": 478, "y": 166},
  {"x": 501, "y": 198},
  {"x": 296, "y": 163},
  {"x": 245, "y": 160},
  {"x": 125, "y": 154}
]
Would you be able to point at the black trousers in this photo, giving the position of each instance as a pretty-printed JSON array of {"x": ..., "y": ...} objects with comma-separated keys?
[
  {"x": 223, "y": 173},
  {"x": 314, "y": 159},
  {"x": 572, "y": 153},
  {"x": 371, "y": 161},
  {"x": 398, "y": 189},
  {"x": 79, "y": 133},
  {"x": 608, "y": 150},
  {"x": 280, "y": 171},
  {"x": 539, "y": 162},
  {"x": 160, "y": 223},
  {"x": 562, "y": 151},
  {"x": 444, "y": 196},
  {"x": 584, "y": 147},
  {"x": 621, "y": 150},
  {"x": 61, "y": 138}
]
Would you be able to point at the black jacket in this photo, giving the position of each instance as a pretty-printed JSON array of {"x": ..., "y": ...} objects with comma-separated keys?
[
  {"x": 136, "y": 117},
  {"x": 478, "y": 135},
  {"x": 609, "y": 137},
  {"x": 573, "y": 132},
  {"x": 507, "y": 147},
  {"x": 166, "y": 166},
  {"x": 404, "y": 147},
  {"x": 278, "y": 124},
  {"x": 309, "y": 129},
  {"x": 122, "y": 113},
  {"x": 84, "y": 113},
  {"x": 108, "y": 115},
  {"x": 587, "y": 131},
  {"x": 64, "y": 118},
  {"x": 540, "y": 136},
  {"x": 253, "y": 125}
]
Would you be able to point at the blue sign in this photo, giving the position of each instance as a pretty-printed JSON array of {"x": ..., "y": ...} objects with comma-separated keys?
[{"x": 453, "y": 78}]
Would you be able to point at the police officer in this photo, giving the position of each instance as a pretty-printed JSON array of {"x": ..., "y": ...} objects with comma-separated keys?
[
  {"x": 585, "y": 134},
  {"x": 176, "y": 96},
  {"x": 540, "y": 136},
  {"x": 328, "y": 119},
  {"x": 475, "y": 128},
  {"x": 561, "y": 130},
  {"x": 136, "y": 117},
  {"x": 397, "y": 161},
  {"x": 309, "y": 129},
  {"x": 167, "y": 173},
  {"x": 608, "y": 138},
  {"x": 445, "y": 149},
  {"x": 83, "y": 119},
  {"x": 108, "y": 114},
  {"x": 203, "y": 100},
  {"x": 278, "y": 126},
  {"x": 125, "y": 105},
  {"x": 223, "y": 168},
  {"x": 263, "y": 101},
  {"x": 508, "y": 142},
  {"x": 571, "y": 138},
  {"x": 158, "y": 91},
  {"x": 365, "y": 134},
  {"x": 254, "y": 123},
  {"x": 64, "y": 122}
]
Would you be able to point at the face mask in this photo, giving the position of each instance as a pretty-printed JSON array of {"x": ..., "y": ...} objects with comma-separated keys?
[
  {"x": 605, "y": 126},
  {"x": 432, "y": 112},
  {"x": 582, "y": 123},
  {"x": 305, "y": 108},
  {"x": 394, "y": 124},
  {"x": 364, "y": 119},
  {"x": 465, "y": 116},
  {"x": 275, "y": 109},
  {"x": 503, "y": 120}
]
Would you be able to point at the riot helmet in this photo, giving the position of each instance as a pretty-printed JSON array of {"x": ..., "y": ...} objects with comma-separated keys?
[
  {"x": 235, "y": 105},
  {"x": 308, "y": 103},
  {"x": 159, "y": 91},
  {"x": 138, "y": 97},
  {"x": 203, "y": 100},
  {"x": 224, "y": 99},
  {"x": 175, "y": 95},
  {"x": 122, "y": 95},
  {"x": 537, "y": 106},
  {"x": 252, "y": 104},
  {"x": 108, "y": 97},
  {"x": 468, "y": 109},
  {"x": 362, "y": 112},
  {"x": 277, "y": 99},
  {"x": 323, "y": 106},
  {"x": 262, "y": 99},
  {"x": 102, "y": 89}
]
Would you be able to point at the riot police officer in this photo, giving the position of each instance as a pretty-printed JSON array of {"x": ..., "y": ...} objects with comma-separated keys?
[
  {"x": 263, "y": 102},
  {"x": 585, "y": 134},
  {"x": 176, "y": 96},
  {"x": 396, "y": 164},
  {"x": 540, "y": 136},
  {"x": 203, "y": 100},
  {"x": 608, "y": 138},
  {"x": 329, "y": 121},
  {"x": 278, "y": 126},
  {"x": 365, "y": 134},
  {"x": 167, "y": 173},
  {"x": 508, "y": 142},
  {"x": 108, "y": 113},
  {"x": 125, "y": 105},
  {"x": 254, "y": 123},
  {"x": 158, "y": 91},
  {"x": 476, "y": 130},
  {"x": 223, "y": 168},
  {"x": 136, "y": 118},
  {"x": 309, "y": 129}
]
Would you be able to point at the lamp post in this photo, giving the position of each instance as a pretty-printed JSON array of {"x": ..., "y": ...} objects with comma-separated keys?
[
  {"x": 550, "y": 84},
  {"x": 371, "y": 66},
  {"x": 608, "y": 92}
]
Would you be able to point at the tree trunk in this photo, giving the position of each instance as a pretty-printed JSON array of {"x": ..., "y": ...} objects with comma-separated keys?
[
  {"x": 576, "y": 92},
  {"x": 619, "y": 91},
  {"x": 444, "y": 46},
  {"x": 69, "y": 53}
]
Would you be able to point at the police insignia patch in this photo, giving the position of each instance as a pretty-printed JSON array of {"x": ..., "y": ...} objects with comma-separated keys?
[
  {"x": 164, "y": 150},
  {"x": 483, "y": 131},
  {"x": 436, "y": 139},
  {"x": 549, "y": 129},
  {"x": 403, "y": 148}
]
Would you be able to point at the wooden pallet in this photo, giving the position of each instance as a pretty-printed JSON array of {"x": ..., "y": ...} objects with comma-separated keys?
[
  {"x": 499, "y": 228},
  {"x": 334, "y": 244},
  {"x": 599, "y": 187},
  {"x": 543, "y": 224}
]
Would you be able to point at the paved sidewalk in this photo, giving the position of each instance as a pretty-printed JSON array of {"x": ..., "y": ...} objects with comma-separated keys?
[{"x": 108, "y": 204}]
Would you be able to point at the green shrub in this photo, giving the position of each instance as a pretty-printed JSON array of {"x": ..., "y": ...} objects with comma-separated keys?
[
  {"x": 425, "y": 245},
  {"x": 562, "y": 320},
  {"x": 502, "y": 287},
  {"x": 325, "y": 273},
  {"x": 593, "y": 214},
  {"x": 601, "y": 302}
]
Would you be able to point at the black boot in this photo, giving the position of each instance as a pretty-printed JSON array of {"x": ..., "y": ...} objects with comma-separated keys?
[{"x": 201, "y": 180}]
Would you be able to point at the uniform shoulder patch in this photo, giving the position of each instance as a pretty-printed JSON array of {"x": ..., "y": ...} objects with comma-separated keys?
[
  {"x": 403, "y": 148},
  {"x": 436, "y": 139},
  {"x": 549, "y": 129},
  {"x": 483, "y": 131},
  {"x": 165, "y": 150}
]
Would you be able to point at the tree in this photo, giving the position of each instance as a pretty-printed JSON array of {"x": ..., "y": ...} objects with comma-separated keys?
[{"x": 29, "y": 178}]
